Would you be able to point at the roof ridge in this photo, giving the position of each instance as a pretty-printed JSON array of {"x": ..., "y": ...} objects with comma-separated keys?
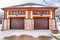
[{"x": 24, "y": 4}]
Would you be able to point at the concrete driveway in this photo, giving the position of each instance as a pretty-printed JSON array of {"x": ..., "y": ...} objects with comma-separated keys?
[{"x": 34, "y": 33}]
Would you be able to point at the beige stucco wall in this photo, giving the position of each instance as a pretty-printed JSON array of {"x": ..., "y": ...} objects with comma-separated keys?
[
  {"x": 8, "y": 23},
  {"x": 5, "y": 24},
  {"x": 29, "y": 24},
  {"x": 52, "y": 24}
]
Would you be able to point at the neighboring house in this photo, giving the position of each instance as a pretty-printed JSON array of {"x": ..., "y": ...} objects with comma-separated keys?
[
  {"x": 57, "y": 14},
  {"x": 58, "y": 22},
  {"x": 1, "y": 20},
  {"x": 30, "y": 16}
]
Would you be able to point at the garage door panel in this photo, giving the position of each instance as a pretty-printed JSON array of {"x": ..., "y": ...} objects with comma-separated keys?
[
  {"x": 41, "y": 23},
  {"x": 17, "y": 23}
]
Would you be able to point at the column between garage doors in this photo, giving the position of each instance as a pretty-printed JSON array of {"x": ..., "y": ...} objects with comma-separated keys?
[{"x": 29, "y": 22}]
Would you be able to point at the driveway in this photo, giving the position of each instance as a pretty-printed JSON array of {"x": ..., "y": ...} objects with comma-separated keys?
[{"x": 34, "y": 33}]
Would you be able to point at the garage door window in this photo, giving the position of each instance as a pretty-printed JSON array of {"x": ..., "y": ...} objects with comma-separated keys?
[
  {"x": 19, "y": 12},
  {"x": 41, "y": 12}
]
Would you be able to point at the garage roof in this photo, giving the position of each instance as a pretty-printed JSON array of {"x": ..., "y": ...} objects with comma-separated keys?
[{"x": 27, "y": 5}]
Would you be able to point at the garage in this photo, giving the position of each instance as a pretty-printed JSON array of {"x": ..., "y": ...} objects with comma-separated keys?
[
  {"x": 41, "y": 23},
  {"x": 16, "y": 23}
]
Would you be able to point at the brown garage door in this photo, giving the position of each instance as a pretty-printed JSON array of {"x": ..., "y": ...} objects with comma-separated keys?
[
  {"x": 41, "y": 23},
  {"x": 17, "y": 23}
]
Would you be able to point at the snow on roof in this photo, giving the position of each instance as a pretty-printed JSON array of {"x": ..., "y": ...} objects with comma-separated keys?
[{"x": 26, "y": 5}]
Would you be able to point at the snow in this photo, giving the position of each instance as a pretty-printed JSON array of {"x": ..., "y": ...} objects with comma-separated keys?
[{"x": 34, "y": 33}]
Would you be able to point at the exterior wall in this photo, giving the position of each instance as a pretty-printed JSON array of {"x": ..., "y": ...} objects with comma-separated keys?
[
  {"x": 5, "y": 24},
  {"x": 8, "y": 23},
  {"x": 52, "y": 24},
  {"x": 1, "y": 24},
  {"x": 29, "y": 24},
  {"x": 29, "y": 17}
]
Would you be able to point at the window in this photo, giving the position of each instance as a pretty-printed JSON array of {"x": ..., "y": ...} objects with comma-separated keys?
[
  {"x": 45, "y": 12},
  {"x": 15, "y": 12},
  {"x": 58, "y": 20},
  {"x": 19, "y": 12},
  {"x": 37, "y": 12},
  {"x": 11, "y": 12},
  {"x": 40, "y": 12},
  {"x": 0, "y": 21}
]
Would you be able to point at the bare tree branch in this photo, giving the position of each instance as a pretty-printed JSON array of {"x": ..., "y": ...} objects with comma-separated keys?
[{"x": 47, "y": 3}]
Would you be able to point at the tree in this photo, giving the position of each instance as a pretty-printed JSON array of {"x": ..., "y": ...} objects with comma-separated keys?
[{"x": 50, "y": 4}]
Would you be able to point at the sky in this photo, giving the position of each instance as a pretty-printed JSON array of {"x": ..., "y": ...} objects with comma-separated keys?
[{"x": 7, "y": 3}]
